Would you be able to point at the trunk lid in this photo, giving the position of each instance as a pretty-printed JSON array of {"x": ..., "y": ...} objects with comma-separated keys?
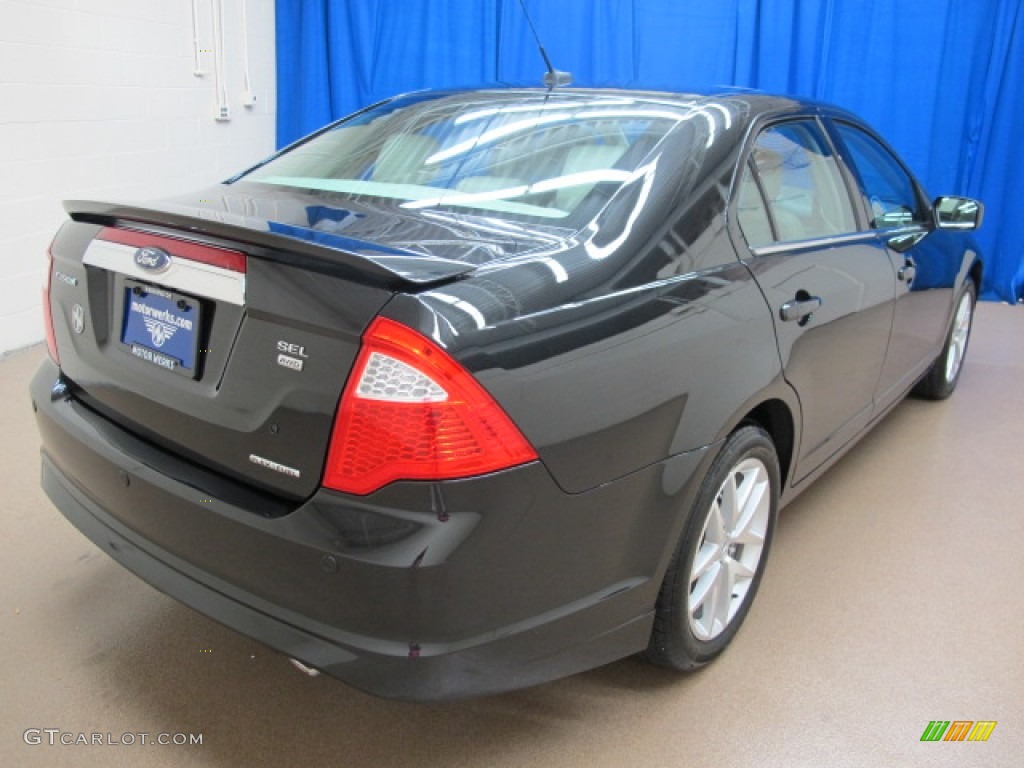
[{"x": 225, "y": 335}]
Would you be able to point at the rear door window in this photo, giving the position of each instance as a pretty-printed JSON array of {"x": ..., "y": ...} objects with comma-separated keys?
[
  {"x": 751, "y": 211},
  {"x": 798, "y": 181}
]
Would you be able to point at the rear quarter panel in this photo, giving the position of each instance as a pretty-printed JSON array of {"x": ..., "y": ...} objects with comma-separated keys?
[{"x": 612, "y": 362}]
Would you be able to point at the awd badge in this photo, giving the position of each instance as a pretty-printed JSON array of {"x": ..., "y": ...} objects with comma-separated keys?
[{"x": 290, "y": 362}]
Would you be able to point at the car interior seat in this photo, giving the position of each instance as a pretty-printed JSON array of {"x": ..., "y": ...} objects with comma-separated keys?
[
  {"x": 581, "y": 159},
  {"x": 473, "y": 184},
  {"x": 771, "y": 171},
  {"x": 402, "y": 160}
]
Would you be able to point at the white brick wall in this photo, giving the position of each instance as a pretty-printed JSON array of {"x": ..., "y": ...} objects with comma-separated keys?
[{"x": 98, "y": 100}]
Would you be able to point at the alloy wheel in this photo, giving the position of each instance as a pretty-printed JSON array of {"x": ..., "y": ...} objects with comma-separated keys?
[
  {"x": 730, "y": 549},
  {"x": 958, "y": 337}
]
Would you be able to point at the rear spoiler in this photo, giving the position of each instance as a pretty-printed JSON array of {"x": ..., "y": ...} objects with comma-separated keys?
[{"x": 385, "y": 266}]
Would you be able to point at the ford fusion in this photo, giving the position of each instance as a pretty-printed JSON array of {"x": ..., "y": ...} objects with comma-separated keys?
[{"x": 473, "y": 390}]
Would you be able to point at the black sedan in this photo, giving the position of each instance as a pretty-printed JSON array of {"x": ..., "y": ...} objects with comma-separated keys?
[{"x": 472, "y": 390}]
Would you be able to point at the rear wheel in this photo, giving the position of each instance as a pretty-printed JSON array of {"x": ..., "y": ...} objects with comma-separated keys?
[
  {"x": 942, "y": 377},
  {"x": 718, "y": 564}
]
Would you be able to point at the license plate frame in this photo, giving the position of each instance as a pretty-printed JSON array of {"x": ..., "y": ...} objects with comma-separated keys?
[{"x": 162, "y": 327}]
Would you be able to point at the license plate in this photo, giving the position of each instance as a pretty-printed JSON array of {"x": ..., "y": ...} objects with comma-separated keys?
[{"x": 161, "y": 327}]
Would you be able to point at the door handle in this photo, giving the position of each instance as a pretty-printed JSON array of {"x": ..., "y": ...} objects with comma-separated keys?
[
  {"x": 907, "y": 272},
  {"x": 800, "y": 309}
]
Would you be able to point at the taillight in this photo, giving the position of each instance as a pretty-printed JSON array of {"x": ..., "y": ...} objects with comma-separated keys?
[
  {"x": 51, "y": 341},
  {"x": 410, "y": 412}
]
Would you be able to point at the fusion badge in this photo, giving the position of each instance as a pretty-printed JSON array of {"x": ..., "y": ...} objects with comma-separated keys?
[{"x": 283, "y": 469}]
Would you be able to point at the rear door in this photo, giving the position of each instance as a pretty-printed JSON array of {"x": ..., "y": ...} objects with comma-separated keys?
[{"x": 829, "y": 286}]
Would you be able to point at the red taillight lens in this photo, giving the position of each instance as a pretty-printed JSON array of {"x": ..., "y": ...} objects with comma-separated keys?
[
  {"x": 410, "y": 412},
  {"x": 51, "y": 341}
]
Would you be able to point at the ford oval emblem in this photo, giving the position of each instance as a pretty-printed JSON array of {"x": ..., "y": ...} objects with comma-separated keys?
[{"x": 153, "y": 259}]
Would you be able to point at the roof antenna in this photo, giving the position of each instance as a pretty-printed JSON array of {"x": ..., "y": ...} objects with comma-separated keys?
[{"x": 553, "y": 77}]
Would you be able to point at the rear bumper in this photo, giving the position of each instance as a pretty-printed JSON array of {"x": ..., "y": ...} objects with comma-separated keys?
[{"x": 421, "y": 591}]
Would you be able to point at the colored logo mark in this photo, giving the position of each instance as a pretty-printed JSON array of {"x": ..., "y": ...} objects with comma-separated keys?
[
  {"x": 153, "y": 259},
  {"x": 958, "y": 730},
  {"x": 159, "y": 331}
]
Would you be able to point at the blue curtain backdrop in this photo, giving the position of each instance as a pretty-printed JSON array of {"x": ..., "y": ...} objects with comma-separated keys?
[{"x": 943, "y": 80}]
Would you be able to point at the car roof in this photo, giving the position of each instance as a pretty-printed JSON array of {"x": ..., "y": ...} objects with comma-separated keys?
[{"x": 746, "y": 104}]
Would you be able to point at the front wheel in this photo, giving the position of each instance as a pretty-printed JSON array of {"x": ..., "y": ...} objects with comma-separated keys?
[
  {"x": 718, "y": 564},
  {"x": 942, "y": 377}
]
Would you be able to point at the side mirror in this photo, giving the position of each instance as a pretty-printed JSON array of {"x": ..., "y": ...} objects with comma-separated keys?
[{"x": 957, "y": 213}]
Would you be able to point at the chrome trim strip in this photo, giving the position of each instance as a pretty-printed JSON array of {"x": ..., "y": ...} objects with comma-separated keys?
[
  {"x": 910, "y": 229},
  {"x": 184, "y": 275},
  {"x": 817, "y": 242},
  {"x": 824, "y": 242}
]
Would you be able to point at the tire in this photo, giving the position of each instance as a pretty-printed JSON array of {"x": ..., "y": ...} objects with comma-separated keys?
[
  {"x": 942, "y": 377},
  {"x": 692, "y": 624}
]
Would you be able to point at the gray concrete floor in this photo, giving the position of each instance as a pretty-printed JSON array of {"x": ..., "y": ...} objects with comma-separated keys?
[{"x": 894, "y": 596}]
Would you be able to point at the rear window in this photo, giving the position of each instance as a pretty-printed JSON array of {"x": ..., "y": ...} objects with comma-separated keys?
[{"x": 516, "y": 157}]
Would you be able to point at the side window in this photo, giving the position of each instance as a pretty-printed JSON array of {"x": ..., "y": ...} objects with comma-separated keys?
[
  {"x": 885, "y": 184},
  {"x": 802, "y": 184},
  {"x": 751, "y": 213}
]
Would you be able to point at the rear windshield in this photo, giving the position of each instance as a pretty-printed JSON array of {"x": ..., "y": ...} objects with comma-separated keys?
[{"x": 513, "y": 157}]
